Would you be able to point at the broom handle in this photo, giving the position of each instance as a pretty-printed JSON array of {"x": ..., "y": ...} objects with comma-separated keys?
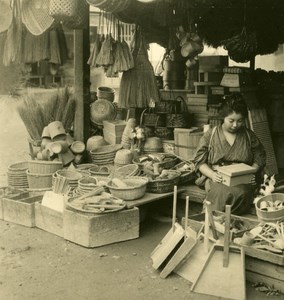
[
  {"x": 174, "y": 208},
  {"x": 186, "y": 215}
]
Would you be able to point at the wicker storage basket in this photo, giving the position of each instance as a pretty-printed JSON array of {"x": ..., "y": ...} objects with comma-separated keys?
[
  {"x": 73, "y": 13},
  {"x": 126, "y": 171},
  {"x": 107, "y": 93},
  {"x": 136, "y": 188},
  {"x": 276, "y": 201},
  {"x": 39, "y": 181},
  {"x": 169, "y": 162},
  {"x": 164, "y": 133},
  {"x": 161, "y": 186},
  {"x": 44, "y": 167},
  {"x": 187, "y": 171},
  {"x": 18, "y": 167}
]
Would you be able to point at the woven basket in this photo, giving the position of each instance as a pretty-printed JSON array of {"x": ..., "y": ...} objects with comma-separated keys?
[
  {"x": 102, "y": 110},
  {"x": 125, "y": 171},
  {"x": 164, "y": 132},
  {"x": 35, "y": 15},
  {"x": 44, "y": 167},
  {"x": 18, "y": 167},
  {"x": 169, "y": 162},
  {"x": 39, "y": 181},
  {"x": 70, "y": 175},
  {"x": 136, "y": 188},
  {"x": 106, "y": 93},
  {"x": 73, "y": 13},
  {"x": 270, "y": 216},
  {"x": 161, "y": 186}
]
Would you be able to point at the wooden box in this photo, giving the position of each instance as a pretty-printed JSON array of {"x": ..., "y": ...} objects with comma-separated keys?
[
  {"x": 213, "y": 63},
  {"x": 8, "y": 192},
  {"x": 186, "y": 142},
  {"x": 210, "y": 76},
  {"x": 113, "y": 131},
  {"x": 48, "y": 219},
  {"x": 92, "y": 231},
  {"x": 20, "y": 209},
  {"x": 236, "y": 174}
]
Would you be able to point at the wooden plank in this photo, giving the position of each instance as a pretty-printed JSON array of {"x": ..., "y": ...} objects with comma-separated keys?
[
  {"x": 227, "y": 236},
  {"x": 255, "y": 277},
  {"x": 167, "y": 245},
  {"x": 231, "y": 280}
]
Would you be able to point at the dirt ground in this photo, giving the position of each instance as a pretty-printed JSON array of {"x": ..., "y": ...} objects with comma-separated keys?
[{"x": 35, "y": 264}]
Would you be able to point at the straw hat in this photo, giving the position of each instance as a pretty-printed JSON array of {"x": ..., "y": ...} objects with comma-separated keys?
[
  {"x": 35, "y": 15},
  {"x": 6, "y": 15}
]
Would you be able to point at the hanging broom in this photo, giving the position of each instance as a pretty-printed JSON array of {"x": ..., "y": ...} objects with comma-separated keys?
[{"x": 138, "y": 85}]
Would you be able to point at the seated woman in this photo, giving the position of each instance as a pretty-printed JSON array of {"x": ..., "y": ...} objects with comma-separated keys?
[{"x": 229, "y": 143}]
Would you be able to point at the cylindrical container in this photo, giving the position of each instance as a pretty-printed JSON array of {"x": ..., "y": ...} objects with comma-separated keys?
[
  {"x": 247, "y": 239},
  {"x": 174, "y": 74},
  {"x": 78, "y": 147},
  {"x": 45, "y": 132},
  {"x": 107, "y": 93},
  {"x": 59, "y": 147},
  {"x": 56, "y": 129}
]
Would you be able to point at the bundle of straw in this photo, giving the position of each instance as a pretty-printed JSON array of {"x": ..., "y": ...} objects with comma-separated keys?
[
  {"x": 105, "y": 57},
  {"x": 92, "y": 61},
  {"x": 138, "y": 85}
]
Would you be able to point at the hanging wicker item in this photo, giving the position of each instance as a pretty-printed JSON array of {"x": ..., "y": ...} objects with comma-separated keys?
[
  {"x": 35, "y": 16},
  {"x": 6, "y": 15},
  {"x": 242, "y": 47},
  {"x": 112, "y": 6},
  {"x": 73, "y": 13},
  {"x": 138, "y": 85}
]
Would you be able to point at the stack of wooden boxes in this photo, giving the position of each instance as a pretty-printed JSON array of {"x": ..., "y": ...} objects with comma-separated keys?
[{"x": 210, "y": 74}]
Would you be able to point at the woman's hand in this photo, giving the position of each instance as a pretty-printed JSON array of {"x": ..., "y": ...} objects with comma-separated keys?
[
  {"x": 216, "y": 177},
  {"x": 252, "y": 181}
]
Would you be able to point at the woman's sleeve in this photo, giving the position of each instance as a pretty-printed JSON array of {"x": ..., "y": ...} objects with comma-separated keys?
[
  {"x": 259, "y": 154},
  {"x": 201, "y": 154}
]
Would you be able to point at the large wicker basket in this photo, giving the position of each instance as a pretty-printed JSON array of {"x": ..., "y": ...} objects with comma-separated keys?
[
  {"x": 136, "y": 188},
  {"x": 44, "y": 167},
  {"x": 161, "y": 186},
  {"x": 39, "y": 181}
]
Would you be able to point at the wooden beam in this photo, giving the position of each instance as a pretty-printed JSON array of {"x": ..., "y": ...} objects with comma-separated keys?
[{"x": 82, "y": 84}]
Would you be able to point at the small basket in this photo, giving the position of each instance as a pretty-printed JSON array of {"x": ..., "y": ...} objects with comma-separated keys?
[
  {"x": 70, "y": 175},
  {"x": 161, "y": 186},
  {"x": 169, "y": 162},
  {"x": 187, "y": 171},
  {"x": 270, "y": 216},
  {"x": 44, "y": 167},
  {"x": 19, "y": 167},
  {"x": 136, "y": 188},
  {"x": 107, "y": 93},
  {"x": 126, "y": 171},
  {"x": 39, "y": 181}
]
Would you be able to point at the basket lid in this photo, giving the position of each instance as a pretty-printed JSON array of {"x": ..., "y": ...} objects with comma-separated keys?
[
  {"x": 102, "y": 110},
  {"x": 6, "y": 15},
  {"x": 35, "y": 15}
]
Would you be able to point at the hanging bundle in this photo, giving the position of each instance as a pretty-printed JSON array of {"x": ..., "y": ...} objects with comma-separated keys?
[
  {"x": 105, "y": 57},
  {"x": 13, "y": 44},
  {"x": 138, "y": 85}
]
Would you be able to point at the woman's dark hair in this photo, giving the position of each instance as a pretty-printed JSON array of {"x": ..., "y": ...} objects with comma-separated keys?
[{"x": 234, "y": 103}]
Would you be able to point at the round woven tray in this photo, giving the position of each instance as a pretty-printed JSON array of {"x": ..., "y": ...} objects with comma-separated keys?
[{"x": 161, "y": 186}]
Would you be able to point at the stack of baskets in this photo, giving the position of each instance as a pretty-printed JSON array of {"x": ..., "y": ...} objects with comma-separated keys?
[
  {"x": 85, "y": 185},
  {"x": 123, "y": 157},
  {"x": 17, "y": 175},
  {"x": 72, "y": 178},
  {"x": 104, "y": 154},
  {"x": 40, "y": 174}
]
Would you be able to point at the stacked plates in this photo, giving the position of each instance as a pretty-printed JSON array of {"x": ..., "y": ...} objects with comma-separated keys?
[
  {"x": 104, "y": 154},
  {"x": 17, "y": 175}
]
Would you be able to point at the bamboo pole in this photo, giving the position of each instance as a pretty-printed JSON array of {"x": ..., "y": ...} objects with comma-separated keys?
[{"x": 82, "y": 84}]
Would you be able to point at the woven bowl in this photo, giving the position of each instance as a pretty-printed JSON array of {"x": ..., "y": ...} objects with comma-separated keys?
[
  {"x": 123, "y": 157},
  {"x": 161, "y": 186},
  {"x": 19, "y": 167},
  {"x": 44, "y": 167},
  {"x": 267, "y": 214},
  {"x": 70, "y": 175},
  {"x": 126, "y": 171},
  {"x": 136, "y": 188},
  {"x": 78, "y": 147},
  {"x": 107, "y": 93}
]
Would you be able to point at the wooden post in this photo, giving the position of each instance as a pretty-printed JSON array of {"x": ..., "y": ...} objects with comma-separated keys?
[{"x": 82, "y": 84}]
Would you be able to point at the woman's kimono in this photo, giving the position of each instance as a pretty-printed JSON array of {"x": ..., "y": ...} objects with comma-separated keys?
[{"x": 215, "y": 150}]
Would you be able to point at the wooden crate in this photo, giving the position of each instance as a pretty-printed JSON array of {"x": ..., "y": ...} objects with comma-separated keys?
[
  {"x": 8, "y": 192},
  {"x": 269, "y": 273},
  {"x": 210, "y": 76},
  {"x": 219, "y": 90},
  {"x": 213, "y": 61},
  {"x": 186, "y": 142},
  {"x": 48, "y": 219},
  {"x": 204, "y": 87},
  {"x": 92, "y": 231},
  {"x": 20, "y": 209}
]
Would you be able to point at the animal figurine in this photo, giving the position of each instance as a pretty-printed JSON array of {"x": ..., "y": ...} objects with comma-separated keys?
[{"x": 266, "y": 188}]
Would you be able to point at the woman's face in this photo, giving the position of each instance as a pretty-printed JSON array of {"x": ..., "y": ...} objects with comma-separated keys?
[{"x": 233, "y": 122}]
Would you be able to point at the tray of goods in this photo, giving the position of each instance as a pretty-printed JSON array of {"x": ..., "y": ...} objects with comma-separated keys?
[
  {"x": 164, "y": 182},
  {"x": 130, "y": 188},
  {"x": 96, "y": 202},
  {"x": 187, "y": 170},
  {"x": 163, "y": 160}
]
